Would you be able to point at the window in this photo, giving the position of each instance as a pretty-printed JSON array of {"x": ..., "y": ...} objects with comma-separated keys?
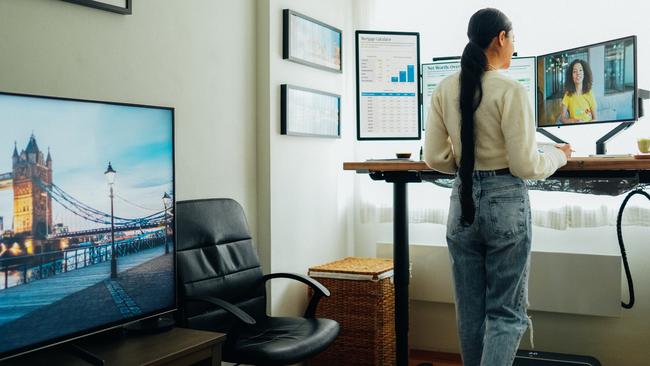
[
  {"x": 555, "y": 69},
  {"x": 617, "y": 58}
]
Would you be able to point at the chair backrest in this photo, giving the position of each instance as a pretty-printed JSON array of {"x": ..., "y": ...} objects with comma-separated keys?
[{"x": 216, "y": 258}]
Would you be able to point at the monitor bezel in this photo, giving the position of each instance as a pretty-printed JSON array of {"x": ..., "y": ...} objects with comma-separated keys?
[
  {"x": 634, "y": 97},
  {"x": 113, "y": 325}
]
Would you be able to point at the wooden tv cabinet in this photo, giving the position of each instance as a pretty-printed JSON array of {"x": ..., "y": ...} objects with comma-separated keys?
[{"x": 177, "y": 347}]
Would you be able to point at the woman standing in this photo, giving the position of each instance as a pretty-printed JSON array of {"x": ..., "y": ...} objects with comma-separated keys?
[{"x": 481, "y": 127}]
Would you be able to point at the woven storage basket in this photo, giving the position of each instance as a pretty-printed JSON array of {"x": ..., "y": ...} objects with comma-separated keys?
[{"x": 363, "y": 302}]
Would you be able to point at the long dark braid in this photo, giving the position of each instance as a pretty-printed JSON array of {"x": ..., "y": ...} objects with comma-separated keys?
[{"x": 483, "y": 26}]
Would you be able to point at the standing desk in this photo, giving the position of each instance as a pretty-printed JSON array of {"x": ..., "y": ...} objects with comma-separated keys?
[{"x": 401, "y": 172}]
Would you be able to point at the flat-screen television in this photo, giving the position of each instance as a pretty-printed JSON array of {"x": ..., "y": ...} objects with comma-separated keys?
[
  {"x": 86, "y": 206},
  {"x": 589, "y": 84},
  {"x": 521, "y": 69}
]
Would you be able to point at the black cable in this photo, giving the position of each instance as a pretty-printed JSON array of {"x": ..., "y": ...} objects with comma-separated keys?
[{"x": 619, "y": 232}]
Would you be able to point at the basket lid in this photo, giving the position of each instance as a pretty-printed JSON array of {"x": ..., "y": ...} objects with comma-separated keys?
[{"x": 355, "y": 268}]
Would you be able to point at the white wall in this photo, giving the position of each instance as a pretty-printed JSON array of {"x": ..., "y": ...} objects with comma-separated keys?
[
  {"x": 197, "y": 57},
  {"x": 306, "y": 195},
  {"x": 540, "y": 27}
]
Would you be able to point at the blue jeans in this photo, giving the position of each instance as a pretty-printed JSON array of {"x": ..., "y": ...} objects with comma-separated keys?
[{"x": 490, "y": 262}]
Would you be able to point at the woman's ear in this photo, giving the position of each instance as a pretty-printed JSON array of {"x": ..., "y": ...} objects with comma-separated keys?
[{"x": 502, "y": 38}]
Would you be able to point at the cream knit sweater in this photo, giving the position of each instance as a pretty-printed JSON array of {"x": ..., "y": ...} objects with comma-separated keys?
[{"x": 504, "y": 130}]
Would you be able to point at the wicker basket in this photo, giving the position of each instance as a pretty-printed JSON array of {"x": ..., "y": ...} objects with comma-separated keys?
[{"x": 363, "y": 302}]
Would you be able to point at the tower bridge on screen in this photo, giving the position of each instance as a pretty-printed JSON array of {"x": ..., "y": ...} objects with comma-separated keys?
[
  {"x": 34, "y": 191},
  {"x": 33, "y": 247}
]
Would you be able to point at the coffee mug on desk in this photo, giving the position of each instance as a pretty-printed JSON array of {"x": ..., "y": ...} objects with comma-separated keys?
[{"x": 644, "y": 145}]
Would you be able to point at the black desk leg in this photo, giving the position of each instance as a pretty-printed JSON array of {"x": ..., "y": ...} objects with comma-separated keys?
[{"x": 401, "y": 270}]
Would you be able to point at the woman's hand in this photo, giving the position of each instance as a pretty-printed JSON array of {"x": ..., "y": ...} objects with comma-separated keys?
[{"x": 566, "y": 149}]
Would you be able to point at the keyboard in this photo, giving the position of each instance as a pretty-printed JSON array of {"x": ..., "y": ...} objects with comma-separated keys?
[{"x": 612, "y": 156}]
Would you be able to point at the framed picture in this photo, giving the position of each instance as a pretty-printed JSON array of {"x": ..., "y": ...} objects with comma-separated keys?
[
  {"x": 115, "y": 6},
  {"x": 310, "y": 42},
  {"x": 308, "y": 112}
]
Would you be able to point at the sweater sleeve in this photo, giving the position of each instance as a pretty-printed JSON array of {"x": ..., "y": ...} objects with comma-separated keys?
[
  {"x": 518, "y": 127},
  {"x": 438, "y": 151}
]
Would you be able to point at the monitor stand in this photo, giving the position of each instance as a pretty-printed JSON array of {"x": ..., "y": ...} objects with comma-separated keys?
[
  {"x": 551, "y": 136},
  {"x": 150, "y": 325},
  {"x": 83, "y": 354},
  {"x": 600, "y": 144}
]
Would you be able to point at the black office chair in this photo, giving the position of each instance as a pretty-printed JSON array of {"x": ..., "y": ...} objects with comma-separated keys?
[{"x": 222, "y": 288}]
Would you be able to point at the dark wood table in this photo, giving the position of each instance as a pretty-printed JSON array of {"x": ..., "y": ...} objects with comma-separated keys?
[
  {"x": 177, "y": 347},
  {"x": 402, "y": 172}
]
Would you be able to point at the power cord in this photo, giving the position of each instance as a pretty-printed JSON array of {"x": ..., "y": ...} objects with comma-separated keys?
[{"x": 619, "y": 232}]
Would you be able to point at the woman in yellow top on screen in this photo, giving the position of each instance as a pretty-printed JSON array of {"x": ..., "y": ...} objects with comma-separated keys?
[{"x": 578, "y": 104}]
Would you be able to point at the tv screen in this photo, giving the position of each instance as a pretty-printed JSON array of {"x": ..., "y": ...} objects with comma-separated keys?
[
  {"x": 590, "y": 84},
  {"x": 521, "y": 69},
  {"x": 86, "y": 228}
]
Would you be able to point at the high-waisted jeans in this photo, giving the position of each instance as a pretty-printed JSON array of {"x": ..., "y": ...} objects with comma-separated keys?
[{"x": 490, "y": 262}]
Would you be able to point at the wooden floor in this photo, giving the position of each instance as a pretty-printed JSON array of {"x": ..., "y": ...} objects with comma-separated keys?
[{"x": 434, "y": 358}]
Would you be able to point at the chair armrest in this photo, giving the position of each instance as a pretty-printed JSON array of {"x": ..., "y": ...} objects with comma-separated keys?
[
  {"x": 315, "y": 285},
  {"x": 232, "y": 309},
  {"x": 319, "y": 289}
]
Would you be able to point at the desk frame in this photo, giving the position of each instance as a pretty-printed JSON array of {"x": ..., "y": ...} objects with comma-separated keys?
[{"x": 400, "y": 173}]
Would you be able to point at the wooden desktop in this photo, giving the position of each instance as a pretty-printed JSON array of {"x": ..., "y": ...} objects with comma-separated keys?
[{"x": 576, "y": 164}]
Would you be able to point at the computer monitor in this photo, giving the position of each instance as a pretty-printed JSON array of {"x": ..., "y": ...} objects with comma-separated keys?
[
  {"x": 588, "y": 84},
  {"x": 86, "y": 197},
  {"x": 521, "y": 69}
]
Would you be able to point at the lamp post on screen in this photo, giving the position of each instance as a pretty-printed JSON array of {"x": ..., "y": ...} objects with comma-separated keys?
[
  {"x": 110, "y": 178},
  {"x": 167, "y": 202}
]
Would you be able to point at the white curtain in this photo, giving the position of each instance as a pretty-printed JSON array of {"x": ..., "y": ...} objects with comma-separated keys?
[{"x": 429, "y": 203}]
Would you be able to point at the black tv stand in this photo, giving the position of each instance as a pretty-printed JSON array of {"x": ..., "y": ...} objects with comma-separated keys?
[
  {"x": 551, "y": 136},
  {"x": 85, "y": 355},
  {"x": 150, "y": 326}
]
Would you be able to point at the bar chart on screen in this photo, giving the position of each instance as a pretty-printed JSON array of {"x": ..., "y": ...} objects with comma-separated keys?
[{"x": 388, "y": 87}]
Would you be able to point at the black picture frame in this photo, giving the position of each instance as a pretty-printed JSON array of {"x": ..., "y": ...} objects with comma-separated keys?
[
  {"x": 417, "y": 135},
  {"x": 300, "y": 53},
  {"x": 98, "y": 4},
  {"x": 308, "y": 125}
]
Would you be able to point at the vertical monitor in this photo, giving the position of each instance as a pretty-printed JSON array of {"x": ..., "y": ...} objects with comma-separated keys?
[
  {"x": 521, "y": 69},
  {"x": 86, "y": 207},
  {"x": 388, "y": 86},
  {"x": 589, "y": 84}
]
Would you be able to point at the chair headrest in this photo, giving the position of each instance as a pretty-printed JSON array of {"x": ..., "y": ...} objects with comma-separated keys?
[{"x": 206, "y": 222}]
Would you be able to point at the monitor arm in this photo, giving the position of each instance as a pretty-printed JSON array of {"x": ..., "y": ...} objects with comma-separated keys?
[
  {"x": 600, "y": 143},
  {"x": 642, "y": 94},
  {"x": 550, "y": 135}
]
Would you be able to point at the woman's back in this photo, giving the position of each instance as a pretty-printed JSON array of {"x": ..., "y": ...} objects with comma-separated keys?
[{"x": 504, "y": 129}]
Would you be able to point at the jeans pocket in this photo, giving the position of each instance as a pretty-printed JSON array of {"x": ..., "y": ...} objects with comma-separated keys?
[{"x": 508, "y": 215}]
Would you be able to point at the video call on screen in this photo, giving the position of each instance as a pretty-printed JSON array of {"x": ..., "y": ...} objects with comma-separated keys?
[{"x": 586, "y": 85}]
